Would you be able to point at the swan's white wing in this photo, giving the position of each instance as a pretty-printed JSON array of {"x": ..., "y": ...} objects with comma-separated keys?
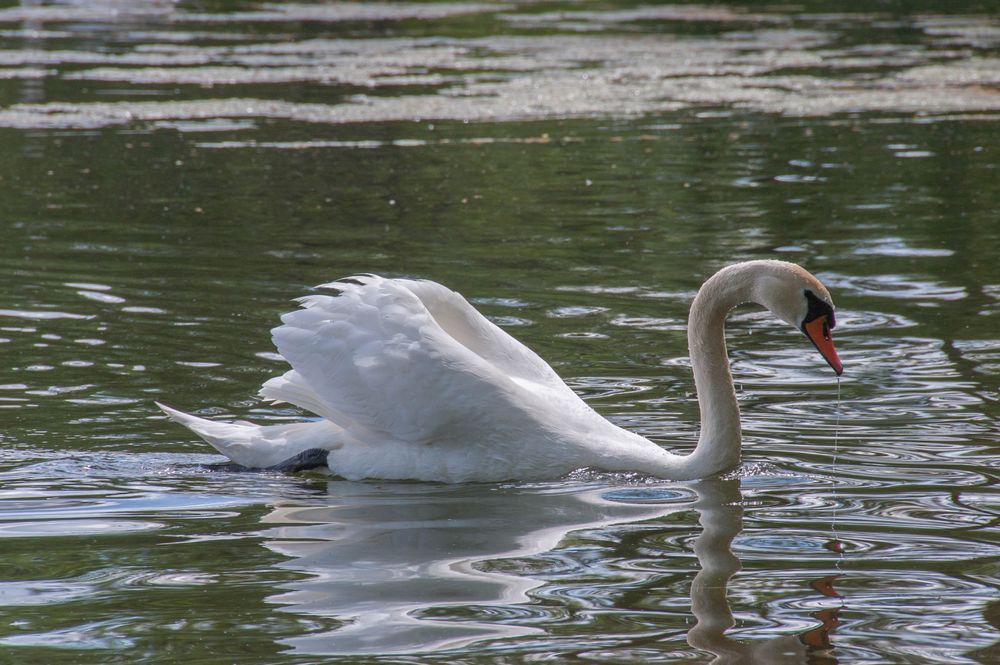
[
  {"x": 412, "y": 361},
  {"x": 471, "y": 329},
  {"x": 292, "y": 388}
]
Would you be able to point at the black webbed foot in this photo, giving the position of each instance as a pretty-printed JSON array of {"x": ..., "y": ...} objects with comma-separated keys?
[{"x": 313, "y": 458}]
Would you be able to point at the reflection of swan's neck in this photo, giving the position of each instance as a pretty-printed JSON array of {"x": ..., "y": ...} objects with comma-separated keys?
[
  {"x": 719, "y": 443},
  {"x": 721, "y": 519}
]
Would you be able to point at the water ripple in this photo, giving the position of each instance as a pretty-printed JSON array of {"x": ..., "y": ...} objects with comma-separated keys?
[
  {"x": 263, "y": 144},
  {"x": 898, "y": 286}
]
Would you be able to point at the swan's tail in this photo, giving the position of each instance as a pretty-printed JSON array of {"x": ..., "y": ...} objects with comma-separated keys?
[{"x": 260, "y": 446}]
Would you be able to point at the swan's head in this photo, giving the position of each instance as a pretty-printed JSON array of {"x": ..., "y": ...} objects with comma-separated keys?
[{"x": 794, "y": 295}]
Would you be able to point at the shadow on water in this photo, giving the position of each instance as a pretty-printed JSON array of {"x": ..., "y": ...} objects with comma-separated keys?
[{"x": 418, "y": 568}]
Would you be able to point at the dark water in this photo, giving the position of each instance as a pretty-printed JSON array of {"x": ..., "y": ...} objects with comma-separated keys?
[{"x": 172, "y": 174}]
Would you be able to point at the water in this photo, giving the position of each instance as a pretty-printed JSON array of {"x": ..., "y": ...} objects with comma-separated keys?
[{"x": 173, "y": 174}]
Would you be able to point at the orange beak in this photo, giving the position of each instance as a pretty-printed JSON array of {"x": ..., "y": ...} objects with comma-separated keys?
[{"x": 818, "y": 332}]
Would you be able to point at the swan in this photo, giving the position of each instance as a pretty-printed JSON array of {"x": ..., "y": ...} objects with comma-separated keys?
[{"x": 411, "y": 382}]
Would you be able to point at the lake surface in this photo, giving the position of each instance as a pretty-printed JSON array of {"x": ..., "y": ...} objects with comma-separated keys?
[{"x": 172, "y": 174}]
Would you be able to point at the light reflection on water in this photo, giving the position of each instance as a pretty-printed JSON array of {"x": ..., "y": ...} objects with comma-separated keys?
[
  {"x": 156, "y": 223},
  {"x": 606, "y": 567}
]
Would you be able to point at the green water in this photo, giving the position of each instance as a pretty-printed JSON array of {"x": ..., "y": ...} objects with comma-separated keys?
[{"x": 171, "y": 176}]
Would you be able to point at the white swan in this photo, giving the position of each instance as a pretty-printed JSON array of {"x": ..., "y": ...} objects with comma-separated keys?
[{"x": 411, "y": 382}]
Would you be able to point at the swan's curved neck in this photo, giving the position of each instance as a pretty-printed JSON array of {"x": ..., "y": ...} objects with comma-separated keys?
[
  {"x": 718, "y": 446},
  {"x": 719, "y": 442}
]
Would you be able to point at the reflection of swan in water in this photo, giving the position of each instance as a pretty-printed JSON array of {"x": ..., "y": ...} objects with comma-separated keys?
[
  {"x": 384, "y": 555},
  {"x": 417, "y": 568},
  {"x": 721, "y": 518}
]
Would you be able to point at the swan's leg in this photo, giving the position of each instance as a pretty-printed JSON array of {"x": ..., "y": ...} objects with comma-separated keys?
[{"x": 313, "y": 458}]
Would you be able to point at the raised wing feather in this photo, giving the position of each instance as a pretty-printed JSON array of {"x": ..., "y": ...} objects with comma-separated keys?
[
  {"x": 468, "y": 327},
  {"x": 411, "y": 360}
]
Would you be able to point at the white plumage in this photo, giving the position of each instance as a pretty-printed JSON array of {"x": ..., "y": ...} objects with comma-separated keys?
[{"x": 411, "y": 382}]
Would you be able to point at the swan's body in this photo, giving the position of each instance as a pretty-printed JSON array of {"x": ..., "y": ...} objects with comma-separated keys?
[{"x": 411, "y": 382}]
